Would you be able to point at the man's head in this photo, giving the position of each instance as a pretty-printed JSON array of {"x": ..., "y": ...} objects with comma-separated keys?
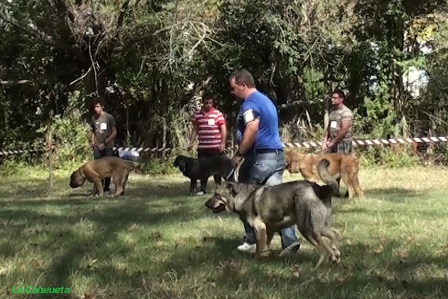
[
  {"x": 337, "y": 98},
  {"x": 242, "y": 83},
  {"x": 208, "y": 102},
  {"x": 98, "y": 105}
]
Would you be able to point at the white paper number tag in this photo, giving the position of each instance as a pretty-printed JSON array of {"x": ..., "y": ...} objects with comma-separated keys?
[
  {"x": 333, "y": 124},
  {"x": 211, "y": 122},
  {"x": 103, "y": 126},
  {"x": 248, "y": 116}
]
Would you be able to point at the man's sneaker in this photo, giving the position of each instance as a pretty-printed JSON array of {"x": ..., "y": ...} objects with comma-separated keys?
[
  {"x": 106, "y": 189},
  {"x": 200, "y": 192},
  {"x": 246, "y": 247},
  {"x": 293, "y": 248}
]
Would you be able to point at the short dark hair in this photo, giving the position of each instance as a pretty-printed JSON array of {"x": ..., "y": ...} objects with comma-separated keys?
[
  {"x": 98, "y": 100},
  {"x": 243, "y": 76},
  {"x": 339, "y": 92},
  {"x": 208, "y": 96}
]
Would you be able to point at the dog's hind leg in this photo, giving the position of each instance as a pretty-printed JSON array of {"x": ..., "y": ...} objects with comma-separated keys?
[
  {"x": 118, "y": 185},
  {"x": 358, "y": 190},
  {"x": 348, "y": 181},
  {"x": 124, "y": 182}
]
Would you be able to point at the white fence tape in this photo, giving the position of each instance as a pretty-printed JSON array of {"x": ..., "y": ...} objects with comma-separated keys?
[{"x": 306, "y": 144}]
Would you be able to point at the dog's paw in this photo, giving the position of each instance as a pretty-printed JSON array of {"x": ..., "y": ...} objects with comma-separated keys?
[{"x": 263, "y": 255}]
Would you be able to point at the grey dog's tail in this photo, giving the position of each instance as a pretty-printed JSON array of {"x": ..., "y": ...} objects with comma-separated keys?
[{"x": 326, "y": 176}]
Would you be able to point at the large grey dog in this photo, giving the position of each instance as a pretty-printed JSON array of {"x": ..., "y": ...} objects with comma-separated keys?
[{"x": 271, "y": 208}]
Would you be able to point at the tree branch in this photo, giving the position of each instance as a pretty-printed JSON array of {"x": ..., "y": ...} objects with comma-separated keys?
[
  {"x": 15, "y": 82},
  {"x": 64, "y": 9},
  {"x": 120, "y": 21},
  {"x": 46, "y": 39}
]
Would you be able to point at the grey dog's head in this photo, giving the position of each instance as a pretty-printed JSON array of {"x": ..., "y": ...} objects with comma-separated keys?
[{"x": 224, "y": 197}]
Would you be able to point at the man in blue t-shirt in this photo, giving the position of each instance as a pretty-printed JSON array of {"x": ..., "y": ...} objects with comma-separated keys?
[{"x": 262, "y": 149}]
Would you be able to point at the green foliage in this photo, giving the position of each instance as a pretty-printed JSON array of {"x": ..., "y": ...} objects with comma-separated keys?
[
  {"x": 298, "y": 51},
  {"x": 385, "y": 156},
  {"x": 160, "y": 166},
  {"x": 20, "y": 165}
]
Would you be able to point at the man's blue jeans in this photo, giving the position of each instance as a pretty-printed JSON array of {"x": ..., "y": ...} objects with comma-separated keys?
[{"x": 266, "y": 167}]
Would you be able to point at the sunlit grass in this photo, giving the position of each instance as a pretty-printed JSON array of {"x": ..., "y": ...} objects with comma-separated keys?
[{"x": 157, "y": 242}]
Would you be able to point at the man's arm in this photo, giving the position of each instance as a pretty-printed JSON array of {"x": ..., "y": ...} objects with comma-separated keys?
[
  {"x": 345, "y": 126},
  {"x": 223, "y": 130},
  {"x": 92, "y": 133},
  {"x": 113, "y": 133},
  {"x": 221, "y": 122},
  {"x": 324, "y": 142},
  {"x": 250, "y": 133}
]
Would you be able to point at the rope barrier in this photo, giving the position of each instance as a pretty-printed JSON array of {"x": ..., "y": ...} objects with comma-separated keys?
[{"x": 305, "y": 144}]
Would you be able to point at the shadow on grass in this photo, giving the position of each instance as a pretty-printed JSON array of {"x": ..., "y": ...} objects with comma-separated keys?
[
  {"x": 392, "y": 194},
  {"x": 70, "y": 248},
  {"x": 24, "y": 189},
  {"x": 364, "y": 272}
]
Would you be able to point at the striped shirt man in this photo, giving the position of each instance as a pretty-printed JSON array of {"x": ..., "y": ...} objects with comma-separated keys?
[{"x": 208, "y": 125}]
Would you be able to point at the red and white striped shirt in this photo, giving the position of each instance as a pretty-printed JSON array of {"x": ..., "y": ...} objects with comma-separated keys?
[{"x": 208, "y": 125}]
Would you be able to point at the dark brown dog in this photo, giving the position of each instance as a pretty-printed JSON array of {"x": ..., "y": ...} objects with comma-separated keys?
[
  {"x": 341, "y": 166},
  {"x": 203, "y": 168},
  {"x": 95, "y": 171}
]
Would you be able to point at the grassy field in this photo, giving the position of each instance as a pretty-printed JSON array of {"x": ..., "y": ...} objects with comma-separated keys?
[{"x": 157, "y": 242}]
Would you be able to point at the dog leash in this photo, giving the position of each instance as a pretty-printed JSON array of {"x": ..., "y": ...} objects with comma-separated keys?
[{"x": 230, "y": 174}]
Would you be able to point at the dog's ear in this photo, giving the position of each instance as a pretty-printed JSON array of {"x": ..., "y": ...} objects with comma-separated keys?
[
  {"x": 287, "y": 161},
  {"x": 233, "y": 187}
]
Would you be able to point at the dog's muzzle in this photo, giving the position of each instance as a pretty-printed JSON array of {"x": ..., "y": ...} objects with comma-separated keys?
[{"x": 215, "y": 204}]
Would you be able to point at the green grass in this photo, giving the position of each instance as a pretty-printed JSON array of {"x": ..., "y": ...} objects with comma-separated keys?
[{"x": 157, "y": 242}]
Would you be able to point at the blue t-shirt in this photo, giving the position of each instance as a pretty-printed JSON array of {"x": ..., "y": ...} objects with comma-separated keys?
[{"x": 259, "y": 105}]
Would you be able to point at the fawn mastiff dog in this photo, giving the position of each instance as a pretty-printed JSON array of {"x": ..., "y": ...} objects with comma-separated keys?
[
  {"x": 95, "y": 171},
  {"x": 341, "y": 166},
  {"x": 270, "y": 209}
]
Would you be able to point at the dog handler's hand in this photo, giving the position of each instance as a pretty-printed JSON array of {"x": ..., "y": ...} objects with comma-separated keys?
[
  {"x": 324, "y": 146},
  {"x": 101, "y": 146},
  {"x": 236, "y": 160},
  {"x": 222, "y": 148}
]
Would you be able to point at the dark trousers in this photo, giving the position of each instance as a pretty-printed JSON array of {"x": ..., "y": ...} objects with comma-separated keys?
[
  {"x": 97, "y": 154},
  {"x": 209, "y": 153}
]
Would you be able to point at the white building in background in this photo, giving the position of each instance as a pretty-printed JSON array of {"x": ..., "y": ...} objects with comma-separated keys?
[{"x": 415, "y": 80}]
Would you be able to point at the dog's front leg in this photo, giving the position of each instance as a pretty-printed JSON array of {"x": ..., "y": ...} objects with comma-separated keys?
[
  {"x": 260, "y": 230},
  {"x": 99, "y": 186},
  {"x": 193, "y": 187}
]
